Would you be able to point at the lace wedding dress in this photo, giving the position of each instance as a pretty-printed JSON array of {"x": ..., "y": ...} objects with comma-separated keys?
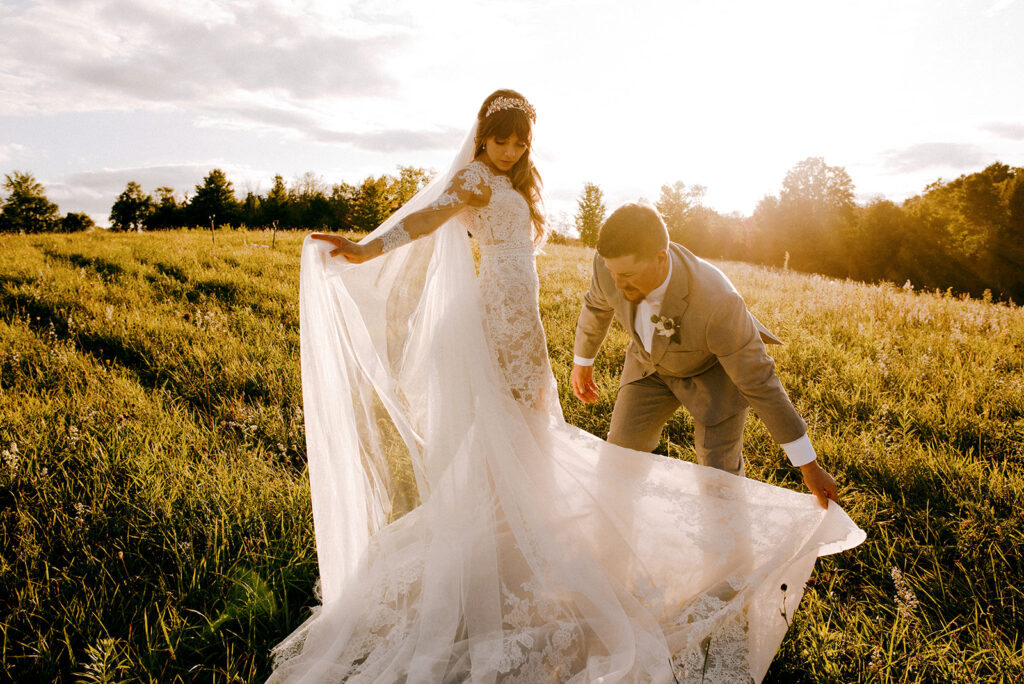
[
  {"x": 465, "y": 532},
  {"x": 510, "y": 289}
]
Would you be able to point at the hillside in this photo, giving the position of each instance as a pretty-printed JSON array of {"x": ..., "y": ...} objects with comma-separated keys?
[{"x": 155, "y": 513}]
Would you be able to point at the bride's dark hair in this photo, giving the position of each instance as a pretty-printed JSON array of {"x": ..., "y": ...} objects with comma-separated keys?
[{"x": 524, "y": 175}]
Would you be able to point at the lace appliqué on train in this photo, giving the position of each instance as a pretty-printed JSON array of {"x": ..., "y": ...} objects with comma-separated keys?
[
  {"x": 721, "y": 657},
  {"x": 539, "y": 644}
]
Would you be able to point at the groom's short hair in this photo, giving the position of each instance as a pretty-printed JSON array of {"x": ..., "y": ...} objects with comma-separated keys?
[{"x": 635, "y": 229}]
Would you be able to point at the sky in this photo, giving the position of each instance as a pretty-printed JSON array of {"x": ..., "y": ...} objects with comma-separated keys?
[{"x": 727, "y": 94}]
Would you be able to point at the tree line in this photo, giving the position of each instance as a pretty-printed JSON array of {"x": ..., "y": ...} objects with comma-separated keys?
[
  {"x": 308, "y": 202},
  {"x": 966, "y": 234}
]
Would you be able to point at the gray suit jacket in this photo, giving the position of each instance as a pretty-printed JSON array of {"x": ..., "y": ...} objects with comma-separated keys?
[{"x": 716, "y": 365}]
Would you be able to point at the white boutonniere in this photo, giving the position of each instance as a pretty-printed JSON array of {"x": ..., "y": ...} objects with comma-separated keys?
[{"x": 666, "y": 327}]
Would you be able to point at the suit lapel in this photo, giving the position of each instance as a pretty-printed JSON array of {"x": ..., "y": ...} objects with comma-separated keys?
[{"x": 674, "y": 304}]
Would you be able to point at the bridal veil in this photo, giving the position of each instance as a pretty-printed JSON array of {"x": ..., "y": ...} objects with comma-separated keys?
[{"x": 462, "y": 536}]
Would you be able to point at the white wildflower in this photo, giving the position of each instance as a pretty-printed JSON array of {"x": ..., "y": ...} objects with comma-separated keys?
[
  {"x": 875, "y": 664},
  {"x": 906, "y": 601},
  {"x": 10, "y": 457}
]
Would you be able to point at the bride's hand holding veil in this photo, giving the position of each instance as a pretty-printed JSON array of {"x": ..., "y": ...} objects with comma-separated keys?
[{"x": 354, "y": 252}]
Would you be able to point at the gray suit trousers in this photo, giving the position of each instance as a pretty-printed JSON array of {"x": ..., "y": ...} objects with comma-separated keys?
[{"x": 644, "y": 406}]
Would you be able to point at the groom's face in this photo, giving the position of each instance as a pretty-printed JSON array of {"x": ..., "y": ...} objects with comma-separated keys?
[{"x": 636, "y": 277}]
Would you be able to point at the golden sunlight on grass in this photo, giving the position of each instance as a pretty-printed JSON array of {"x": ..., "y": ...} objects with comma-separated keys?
[{"x": 156, "y": 514}]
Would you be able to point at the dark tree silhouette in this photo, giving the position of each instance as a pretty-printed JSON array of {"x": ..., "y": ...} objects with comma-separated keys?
[
  {"x": 214, "y": 200},
  {"x": 132, "y": 209},
  {"x": 25, "y": 209}
]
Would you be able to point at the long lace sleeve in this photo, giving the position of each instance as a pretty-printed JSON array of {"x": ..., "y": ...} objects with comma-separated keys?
[{"x": 468, "y": 188}]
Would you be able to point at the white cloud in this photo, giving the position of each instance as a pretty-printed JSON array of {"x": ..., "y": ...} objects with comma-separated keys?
[
  {"x": 123, "y": 54},
  {"x": 999, "y": 6},
  {"x": 930, "y": 155},
  {"x": 11, "y": 152},
  {"x": 1010, "y": 131}
]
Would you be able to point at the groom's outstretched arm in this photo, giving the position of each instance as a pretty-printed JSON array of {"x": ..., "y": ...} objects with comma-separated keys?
[
  {"x": 595, "y": 318},
  {"x": 591, "y": 328},
  {"x": 736, "y": 341}
]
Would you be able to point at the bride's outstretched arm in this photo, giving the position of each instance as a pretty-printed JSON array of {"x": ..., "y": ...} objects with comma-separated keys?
[{"x": 468, "y": 188}]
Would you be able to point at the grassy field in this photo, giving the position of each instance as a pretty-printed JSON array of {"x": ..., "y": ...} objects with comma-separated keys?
[{"x": 155, "y": 513}]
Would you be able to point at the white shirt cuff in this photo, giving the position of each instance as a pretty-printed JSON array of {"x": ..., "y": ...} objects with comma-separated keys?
[
  {"x": 800, "y": 452},
  {"x": 580, "y": 361}
]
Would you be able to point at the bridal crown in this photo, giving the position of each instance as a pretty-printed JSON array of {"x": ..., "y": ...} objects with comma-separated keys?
[{"x": 501, "y": 103}]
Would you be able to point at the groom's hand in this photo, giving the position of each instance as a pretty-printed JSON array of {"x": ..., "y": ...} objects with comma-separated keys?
[
  {"x": 821, "y": 484},
  {"x": 583, "y": 385}
]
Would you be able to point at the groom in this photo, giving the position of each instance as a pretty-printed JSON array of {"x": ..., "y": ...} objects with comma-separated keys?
[{"x": 693, "y": 344}]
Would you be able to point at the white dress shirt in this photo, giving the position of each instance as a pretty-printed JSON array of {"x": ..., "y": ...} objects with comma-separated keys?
[
  {"x": 648, "y": 306},
  {"x": 800, "y": 452}
]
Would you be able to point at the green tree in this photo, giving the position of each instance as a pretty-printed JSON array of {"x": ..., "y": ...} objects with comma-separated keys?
[
  {"x": 881, "y": 246},
  {"x": 821, "y": 187},
  {"x": 371, "y": 204},
  {"x": 168, "y": 211},
  {"x": 410, "y": 180},
  {"x": 132, "y": 209},
  {"x": 814, "y": 217},
  {"x": 590, "y": 213},
  {"x": 309, "y": 205},
  {"x": 76, "y": 223},
  {"x": 366, "y": 207},
  {"x": 342, "y": 200},
  {"x": 26, "y": 209},
  {"x": 276, "y": 204},
  {"x": 674, "y": 206},
  {"x": 214, "y": 200},
  {"x": 688, "y": 222}
]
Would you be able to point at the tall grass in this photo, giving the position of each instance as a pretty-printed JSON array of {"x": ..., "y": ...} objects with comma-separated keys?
[{"x": 154, "y": 505}]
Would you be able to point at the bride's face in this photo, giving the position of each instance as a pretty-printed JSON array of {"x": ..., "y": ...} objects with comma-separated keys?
[{"x": 503, "y": 153}]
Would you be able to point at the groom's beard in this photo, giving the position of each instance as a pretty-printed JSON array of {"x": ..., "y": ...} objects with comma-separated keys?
[{"x": 634, "y": 295}]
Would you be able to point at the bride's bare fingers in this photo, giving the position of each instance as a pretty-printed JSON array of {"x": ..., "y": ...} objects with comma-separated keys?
[{"x": 352, "y": 251}]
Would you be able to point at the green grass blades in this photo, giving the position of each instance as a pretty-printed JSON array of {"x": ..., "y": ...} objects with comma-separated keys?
[{"x": 155, "y": 510}]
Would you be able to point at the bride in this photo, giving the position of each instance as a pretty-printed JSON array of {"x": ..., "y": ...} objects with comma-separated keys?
[{"x": 464, "y": 531}]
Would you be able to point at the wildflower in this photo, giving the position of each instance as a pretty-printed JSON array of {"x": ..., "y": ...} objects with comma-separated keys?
[
  {"x": 906, "y": 601},
  {"x": 875, "y": 664},
  {"x": 10, "y": 456}
]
